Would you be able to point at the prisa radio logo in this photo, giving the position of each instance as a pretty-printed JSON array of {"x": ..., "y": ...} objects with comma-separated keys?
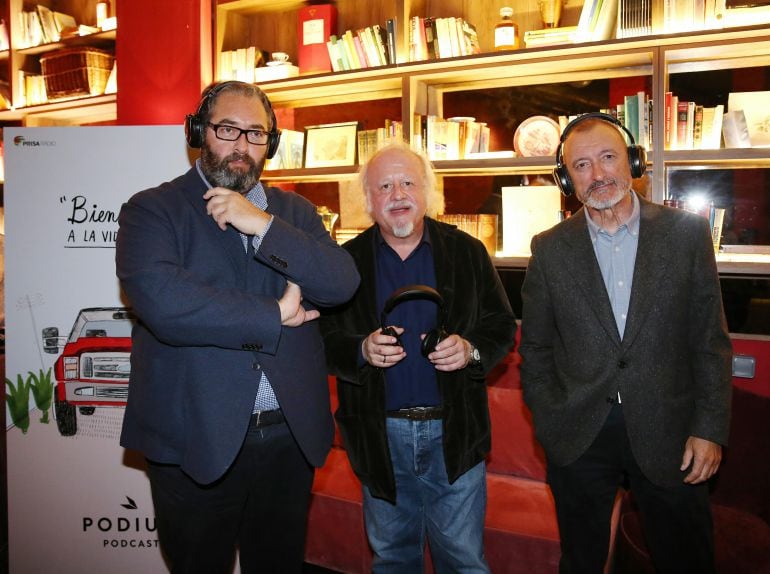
[
  {"x": 22, "y": 141},
  {"x": 123, "y": 531}
]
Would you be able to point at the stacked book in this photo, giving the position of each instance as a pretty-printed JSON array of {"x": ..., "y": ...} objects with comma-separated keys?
[
  {"x": 289, "y": 154},
  {"x": 436, "y": 38},
  {"x": 597, "y": 22},
  {"x": 369, "y": 141},
  {"x": 43, "y": 25},
  {"x": 365, "y": 48},
  {"x": 689, "y": 125},
  {"x": 634, "y": 18},
  {"x": 248, "y": 65},
  {"x": 449, "y": 139},
  {"x": 635, "y": 113},
  {"x": 550, "y": 36}
]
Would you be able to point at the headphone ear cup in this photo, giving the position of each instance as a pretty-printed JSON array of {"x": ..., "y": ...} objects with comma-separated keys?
[
  {"x": 193, "y": 129},
  {"x": 273, "y": 140},
  {"x": 563, "y": 180},
  {"x": 432, "y": 338},
  {"x": 637, "y": 160}
]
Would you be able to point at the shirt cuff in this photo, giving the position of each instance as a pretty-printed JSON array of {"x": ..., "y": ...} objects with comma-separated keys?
[{"x": 257, "y": 239}]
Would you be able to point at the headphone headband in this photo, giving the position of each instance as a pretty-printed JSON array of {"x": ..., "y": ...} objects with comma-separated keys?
[
  {"x": 408, "y": 293},
  {"x": 637, "y": 156},
  {"x": 195, "y": 126}
]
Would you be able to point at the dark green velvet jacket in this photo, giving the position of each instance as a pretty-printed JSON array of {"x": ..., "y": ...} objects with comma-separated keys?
[{"x": 477, "y": 308}]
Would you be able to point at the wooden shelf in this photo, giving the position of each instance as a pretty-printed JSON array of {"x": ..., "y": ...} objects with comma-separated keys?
[
  {"x": 314, "y": 174},
  {"x": 97, "y": 40},
  {"x": 720, "y": 158},
  {"x": 732, "y": 263},
  {"x": 70, "y": 112}
]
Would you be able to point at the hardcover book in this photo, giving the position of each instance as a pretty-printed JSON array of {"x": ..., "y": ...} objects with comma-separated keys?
[{"x": 315, "y": 24}]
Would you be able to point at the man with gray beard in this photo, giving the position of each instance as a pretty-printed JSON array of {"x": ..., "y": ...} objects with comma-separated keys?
[
  {"x": 228, "y": 397},
  {"x": 626, "y": 359},
  {"x": 410, "y": 352}
]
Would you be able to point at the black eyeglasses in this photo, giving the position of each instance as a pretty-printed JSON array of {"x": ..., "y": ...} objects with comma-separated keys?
[{"x": 231, "y": 133}]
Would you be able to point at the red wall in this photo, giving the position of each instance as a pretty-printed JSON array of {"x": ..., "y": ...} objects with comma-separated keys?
[{"x": 164, "y": 54}]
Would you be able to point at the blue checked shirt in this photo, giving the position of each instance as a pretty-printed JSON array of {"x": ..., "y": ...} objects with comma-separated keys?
[{"x": 265, "y": 399}]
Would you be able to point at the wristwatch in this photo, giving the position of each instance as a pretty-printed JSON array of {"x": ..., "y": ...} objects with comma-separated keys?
[{"x": 474, "y": 357}]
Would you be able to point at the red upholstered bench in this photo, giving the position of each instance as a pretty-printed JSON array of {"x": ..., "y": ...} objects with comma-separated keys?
[
  {"x": 521, "y": 534},
  {"x": 740, "y": 492}
]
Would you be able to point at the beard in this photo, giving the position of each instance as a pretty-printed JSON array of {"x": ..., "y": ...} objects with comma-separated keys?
[
  {"x": 219, "y": 174},
  {"x": 403, "y": 230},
  {"x": 607, "y": 202},
  {"x": 406, "y": 228}
]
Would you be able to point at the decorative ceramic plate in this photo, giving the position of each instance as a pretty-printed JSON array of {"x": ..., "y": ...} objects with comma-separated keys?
[{"x": 536, "y": 136}]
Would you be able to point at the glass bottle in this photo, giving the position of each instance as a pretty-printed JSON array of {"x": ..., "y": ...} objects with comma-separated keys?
[{"x": 506, "y": 31}]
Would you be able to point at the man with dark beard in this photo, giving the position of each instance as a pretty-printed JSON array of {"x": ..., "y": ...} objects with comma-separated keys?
[
  {"x": 411, "y": 351},
  {"x": 626, "y": 360},
  {"x": 228, "y": 395}
]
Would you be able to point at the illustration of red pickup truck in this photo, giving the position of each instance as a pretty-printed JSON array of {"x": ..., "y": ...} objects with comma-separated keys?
[{"x": 94, "y": 365}]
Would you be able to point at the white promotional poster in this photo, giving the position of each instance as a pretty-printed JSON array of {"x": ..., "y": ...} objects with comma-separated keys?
[{"x": 77, "y": 501}]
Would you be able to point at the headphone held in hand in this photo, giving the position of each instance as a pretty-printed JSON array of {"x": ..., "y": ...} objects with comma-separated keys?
[{"x": 408, "y": 293}]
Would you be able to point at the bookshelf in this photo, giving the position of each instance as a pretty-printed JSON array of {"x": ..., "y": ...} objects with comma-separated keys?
[
  {"x": 432, "y": 87},
  {"x": 21, "y": 57}
]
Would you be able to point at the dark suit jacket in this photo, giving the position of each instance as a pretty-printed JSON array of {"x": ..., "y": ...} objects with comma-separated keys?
[
  {"x": 209, "y": 323},
  {"x": 477, "y": 308},
  {"x": 673, "y": 366}
]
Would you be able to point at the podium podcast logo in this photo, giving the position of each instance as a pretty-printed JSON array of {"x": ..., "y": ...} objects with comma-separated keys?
[
  {"x": 124, "y": 530},
  {"x": 21, "y": 141}
]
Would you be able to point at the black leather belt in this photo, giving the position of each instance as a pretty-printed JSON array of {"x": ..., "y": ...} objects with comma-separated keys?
[
  {"x": 418, "y": 413},
  {"x": 266, "y": 418}
]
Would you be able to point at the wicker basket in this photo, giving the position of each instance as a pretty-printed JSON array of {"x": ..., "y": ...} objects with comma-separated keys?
[{"x": 76, "y": 72}]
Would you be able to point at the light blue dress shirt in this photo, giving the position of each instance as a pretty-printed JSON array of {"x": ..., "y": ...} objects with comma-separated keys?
[{"x": 616, "y": 255}]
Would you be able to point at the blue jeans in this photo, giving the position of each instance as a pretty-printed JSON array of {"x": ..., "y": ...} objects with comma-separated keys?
[{"x": 452, "y": 516}]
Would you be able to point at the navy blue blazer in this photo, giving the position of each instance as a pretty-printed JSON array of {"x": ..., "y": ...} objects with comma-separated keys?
[{"x": 209, "y": 324}]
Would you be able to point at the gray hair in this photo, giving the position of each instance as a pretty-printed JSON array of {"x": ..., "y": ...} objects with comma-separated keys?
[
  {"x": 213, "y": 91},
  {"x": 434, "y": 199}
]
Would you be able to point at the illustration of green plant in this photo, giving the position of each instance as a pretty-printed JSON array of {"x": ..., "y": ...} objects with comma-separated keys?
[
  {"x": 42, "y": 391},
  {"x": 17, "y": 399}
]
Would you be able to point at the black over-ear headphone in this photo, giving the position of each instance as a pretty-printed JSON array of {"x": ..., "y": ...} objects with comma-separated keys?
[
  {"x": 434, "y": 336},
  {"x": 637, "y": 156},
  {"x": 195, "y": 126}
]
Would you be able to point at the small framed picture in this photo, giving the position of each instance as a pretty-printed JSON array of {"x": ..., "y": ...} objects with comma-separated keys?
[{"x": 331, "y": 145}]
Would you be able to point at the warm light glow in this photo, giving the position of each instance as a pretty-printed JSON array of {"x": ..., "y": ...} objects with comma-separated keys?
[{"x": 696, "y": 201}]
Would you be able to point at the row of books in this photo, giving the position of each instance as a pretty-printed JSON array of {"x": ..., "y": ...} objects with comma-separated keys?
[
  {"x": 449, "y": 139},
  {"x": 643, "y": 17},
  {"x": 43, "y": 25},
  {"x": 369, "y": 141},
  {"x": 32, "y": 88},
  {"x": 689, "y": 125},
  {"x": 365, "y": 48},
  {"x": 597, "y": 22},
  {"x": 4, "y": 44},
  {"x": 634, "y": 18},
  {"x": 635, "y": 113},
  {"x": 436, "y": 38},
  {"x": 249, "y": 65},
  {"x": 686, "y": 15},
  {"x": 290, "y": 152}
]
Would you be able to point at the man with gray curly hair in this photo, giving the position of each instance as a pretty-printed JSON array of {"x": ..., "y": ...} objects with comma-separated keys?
[{"x": 413, "y": 406}]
